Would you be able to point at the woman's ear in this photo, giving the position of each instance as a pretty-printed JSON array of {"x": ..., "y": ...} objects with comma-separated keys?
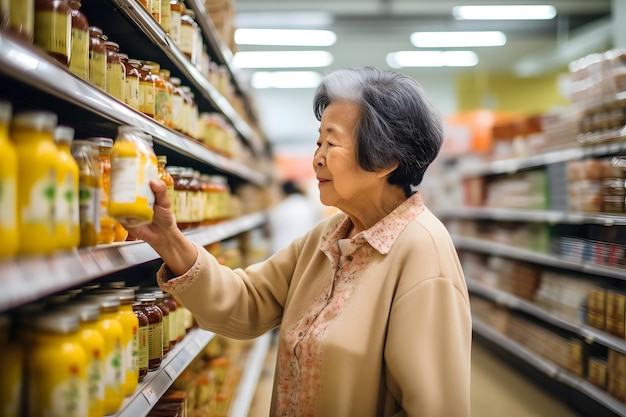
[{"x": 383, "y": 172}]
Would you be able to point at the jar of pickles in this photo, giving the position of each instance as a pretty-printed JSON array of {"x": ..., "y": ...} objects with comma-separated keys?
[
  {"x": 89, "y": 188},
  {"x": 8, "y": 184},
  {"x": 33, "y": 135},
  {"x": 133, "y": 165},
  {"x": 57, "y": 367}
]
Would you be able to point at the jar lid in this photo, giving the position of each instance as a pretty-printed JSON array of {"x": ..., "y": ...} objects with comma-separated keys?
[
  {"x": 41, "y": 121},
  {"x": 176, "y": 81},
  {"x": 122, "y": 55},
  {"x": 124, "y": 294},
  {"x": 64, "y": 134},
  {"x": 57, "y": 322},
  {"x": 86, "y": 310},
  {"x": 103, "y": 143},
  {"x": 104, "y": 300},
  {"x": 95, "y": 29},
  {"x": 143, "y": 297},
  {"x": 112, "y": 44}
]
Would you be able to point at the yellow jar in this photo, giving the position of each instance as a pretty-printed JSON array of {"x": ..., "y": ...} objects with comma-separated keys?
[
  {"x": 32, "y": 133},
  {"x": 130, "y": 343},
  {"x": 93, "y": 342},
  {"x": 8, "y": 186},
  {"x": 89, "y": 184},
  {"x": 112, "y": 332},
  {"x": 12, "y": 365},
  {"x": 133, "y": 165},
  {"x": 56, "y": 368},
  {"x": 67, "y": 216},
  {"x": 107, "y": 224}
]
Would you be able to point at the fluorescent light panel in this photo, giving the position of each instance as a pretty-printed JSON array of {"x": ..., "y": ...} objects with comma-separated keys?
[
  {"x": 286, "y": 79},
  {"x": 285, "y": 37},
  {"x": 512, "y": 12},
  {"x": 457, "y": 39},
  {"x": 282, "y": 59},
  {"x": 402, "y": 59}
]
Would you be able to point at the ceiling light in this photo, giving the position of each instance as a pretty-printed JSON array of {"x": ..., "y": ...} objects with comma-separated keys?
[
  {"x": 283, "y": 19},
  {"x": 285, "y": 37},
  {"x": 282, "y": 59},
  {"x": 518, "y": 12},
  {"x": 286, "y": 79},
  {"x": 402, "y": 59},
  {"x": 457, "y": 39}
]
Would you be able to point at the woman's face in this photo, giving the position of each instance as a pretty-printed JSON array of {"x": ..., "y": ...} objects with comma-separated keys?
[{"x": 341, "y": 181}]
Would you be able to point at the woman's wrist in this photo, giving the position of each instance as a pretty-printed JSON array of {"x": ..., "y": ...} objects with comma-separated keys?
[{"x": 176, "y": 251}]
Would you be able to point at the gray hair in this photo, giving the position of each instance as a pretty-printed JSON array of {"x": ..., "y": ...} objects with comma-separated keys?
[{"x": 397, "y": 124}]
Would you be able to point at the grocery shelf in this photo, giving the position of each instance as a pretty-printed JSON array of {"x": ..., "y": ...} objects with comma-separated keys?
[
  {"x": 26, "y": 279},
  {"x": 532, "y": 216},
  {"x": 498, "y": 249},
  {"x": 513, "y": 165},
  {"x": 157, "y": 382},
  {"x": 250, "y": 378},
  {"x": 501, "y": 297},
  {"x": 548, "y": 367}
]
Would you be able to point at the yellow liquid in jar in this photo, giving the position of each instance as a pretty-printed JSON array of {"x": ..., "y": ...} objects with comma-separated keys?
[
  {"x": 114, "y": 374},
  {"x": 37, "y": 164},
  {"x": 130, "y": 326},
  {"x": 67, "y": 206},
  {"x": 93, "y": 344},
  {"x": 8, "y": 189}
]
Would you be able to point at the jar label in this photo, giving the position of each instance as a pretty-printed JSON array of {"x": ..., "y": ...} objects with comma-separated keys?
[
  {"x": 8, "y": 203},
  {"x": 89, "y": 206},
  {"x": 115, "y": 81},
  {"x": 151, "y": 172},
  {"x": 53, "y": 32},
  {"x": 125, "y": 180},
  {"x": 177, "y": 112},
  {"x": 114, "y": 373},
  {"x": 142, "y": 336},
  {"x": 70, "y": 398},
  {"x": 175, "y": 26},
  {"x": 131, "y": 96},
  {"x": 95, "y": 378},
  {"x": 66, "y": 200},
  {"x": 97, "y": 69},
  {"x": 182, "y": 207},
  {"x": 155, "y": 340},
  {"x": 147, "y": 91},
  {"x": 166, "y": 332},
  {"x": 128, "y": 357},
  {"x": 162, "y": 106},
  {"x": 134, "y": 350},
  {"x": 40, "y": 209},
  {"x": 79, "y": 55},
  {"x": 187, "y": 37}
]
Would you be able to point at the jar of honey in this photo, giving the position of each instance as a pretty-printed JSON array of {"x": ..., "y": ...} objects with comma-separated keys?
[
  {"x": 8, "y": 184},
  {"x": 89, "y": 185},
  {"x": 133, "y": 165},
  {"x": 53, "y": 28},
  {"x": 32, "y": 133},
  {"x": 56, "y": 367},
  {"x": 67, "y": 213},
  {"x": 79, "y": 41}
]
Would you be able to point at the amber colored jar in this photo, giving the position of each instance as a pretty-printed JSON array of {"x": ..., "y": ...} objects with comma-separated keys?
[
  {"x": 166, "y": 101},
  {"x": 131, "y": 95},
  {"x": 165, "y": 310},
  {"x": 172, "y": 305},
  {"x": 97, "y": 57},
  {"x": 161, "y": 98},
  {"x": 142, "y": 340},
  {"x": 79, "y": 55},
  {"x": 146, "y": 90},
  {"x": 116, "y": 72},
  {"x": 167, "y": 178},
  {"x": 53, "y": 24},
  {"x": 182, "y": 193},
  {"x": 155, "y": 329}
]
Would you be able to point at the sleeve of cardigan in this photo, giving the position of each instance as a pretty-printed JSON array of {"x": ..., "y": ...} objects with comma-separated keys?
[
  {"x": 239, "y": 303},
  {"x": 428, "y": 350}
]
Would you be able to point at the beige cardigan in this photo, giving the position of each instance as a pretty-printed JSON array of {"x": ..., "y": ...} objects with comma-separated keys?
[{"x": 400, "y": 345}]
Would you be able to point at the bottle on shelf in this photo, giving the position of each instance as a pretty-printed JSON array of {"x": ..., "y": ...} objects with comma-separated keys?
[
  {"x": 97, "y": 58},
  {"x": 132, "y": 95},
  {"x": 53, "y": 28},
  {"x": 107, "y": 224},
  {"x": 147, "y": 90},
  {"x": 32, "y": 133},
  {"x": 79, "y": 41},
  {"x": 67, "y": 213},
  {"x": 90, "y": 183},
  {"x": 116, "y": 71},
  {"x": 142, "y": 341},
  {"x": 155, "y": 329},
  {"x": 8, "y": 184},
  {"x": 22, "y": 19}
]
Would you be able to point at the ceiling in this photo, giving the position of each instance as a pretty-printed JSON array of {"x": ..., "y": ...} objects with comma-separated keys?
[{"x": 369, "y": 29}]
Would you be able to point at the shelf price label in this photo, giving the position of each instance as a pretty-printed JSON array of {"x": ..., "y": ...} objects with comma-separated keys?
[{"x": 150, "y": 395}]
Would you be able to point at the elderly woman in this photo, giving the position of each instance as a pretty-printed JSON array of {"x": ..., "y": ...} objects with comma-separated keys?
[{"x": 372, "y": 305}]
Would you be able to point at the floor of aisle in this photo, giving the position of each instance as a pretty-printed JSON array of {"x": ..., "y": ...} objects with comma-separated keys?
[{"x": 497, "y": 390}]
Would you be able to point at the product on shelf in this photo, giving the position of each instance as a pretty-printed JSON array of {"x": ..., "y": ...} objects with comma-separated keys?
[
  {"x": 107, "y": 224},
  {"x": 155, "y": 329},
  {"x": 116, "y": 72},
  {"x": 90, "y": 187},
  {"x": 131, "y": 93},
  {"x": 8, "y": 184},
  {"x": 12, "y": 365},
  {"x": 53, "y": 24},
  {"x": 133, "y": 165},
  {"x": 79, "y": 55},
  {"x": 67, "y": 216},
  {"x": 142, "y": 341},
  {"x": 97, "y": 58},
  {"x": 22, "y": 18},
  {"x": 147, "y": 90}
]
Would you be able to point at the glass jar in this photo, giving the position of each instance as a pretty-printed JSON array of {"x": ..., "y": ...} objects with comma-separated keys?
[
  {"x": 33, "y": 135},
  {"x": 175, "y": 20},
  {"x": 177, "y": 104},
  {"x": 56, "y": 367},
  {"x": 22, "y": 18},
  {"x": 167, "y": 103},
  {"x": 8, "y": 184},
  {"x": 107, "y": 224},
  {"x": 133, "y": 165},
  {"x": 142, "y": 341},
  {"x": 155, "y": 329},
  {"x": 97, "y": 58},
  {"x": 131, "y": 95},
  {"x": 130, "y": 325},
  {"x": 187, "y": 44},
  {"x": 180, "y": 199},
  {"x": 162, "y": 106},
  {"x": 146, "y": 90},
  {"x": 116, "y": 72},
  {"x": 167, "y": 178},
  {"x": 197, "y": 205},
  {"x": 112, "y": 332},
  {"x": 89, "y": 185},
  {"x": 79, "y": 41},
  {"x": 12, "y": 365},
  {"x": 67, "y": 214},
  {"x": 187, "y": 111},
  {"x": 166, "y": 15},
  {"x": 53, "y": 28},
  {"x": 165, "y": 311},
  {"x": 155, "y": 9},
  {"x": 172, "y": 306},
  {"x": 93, "y": 342}
]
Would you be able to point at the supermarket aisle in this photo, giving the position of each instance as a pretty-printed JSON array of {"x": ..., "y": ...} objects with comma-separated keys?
[{"x": 497, "y": 390}]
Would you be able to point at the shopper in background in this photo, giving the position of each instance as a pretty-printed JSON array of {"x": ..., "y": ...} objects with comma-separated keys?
[
  {"x": 291, "y": 217},
  {"x": 372, "y": 304}
]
